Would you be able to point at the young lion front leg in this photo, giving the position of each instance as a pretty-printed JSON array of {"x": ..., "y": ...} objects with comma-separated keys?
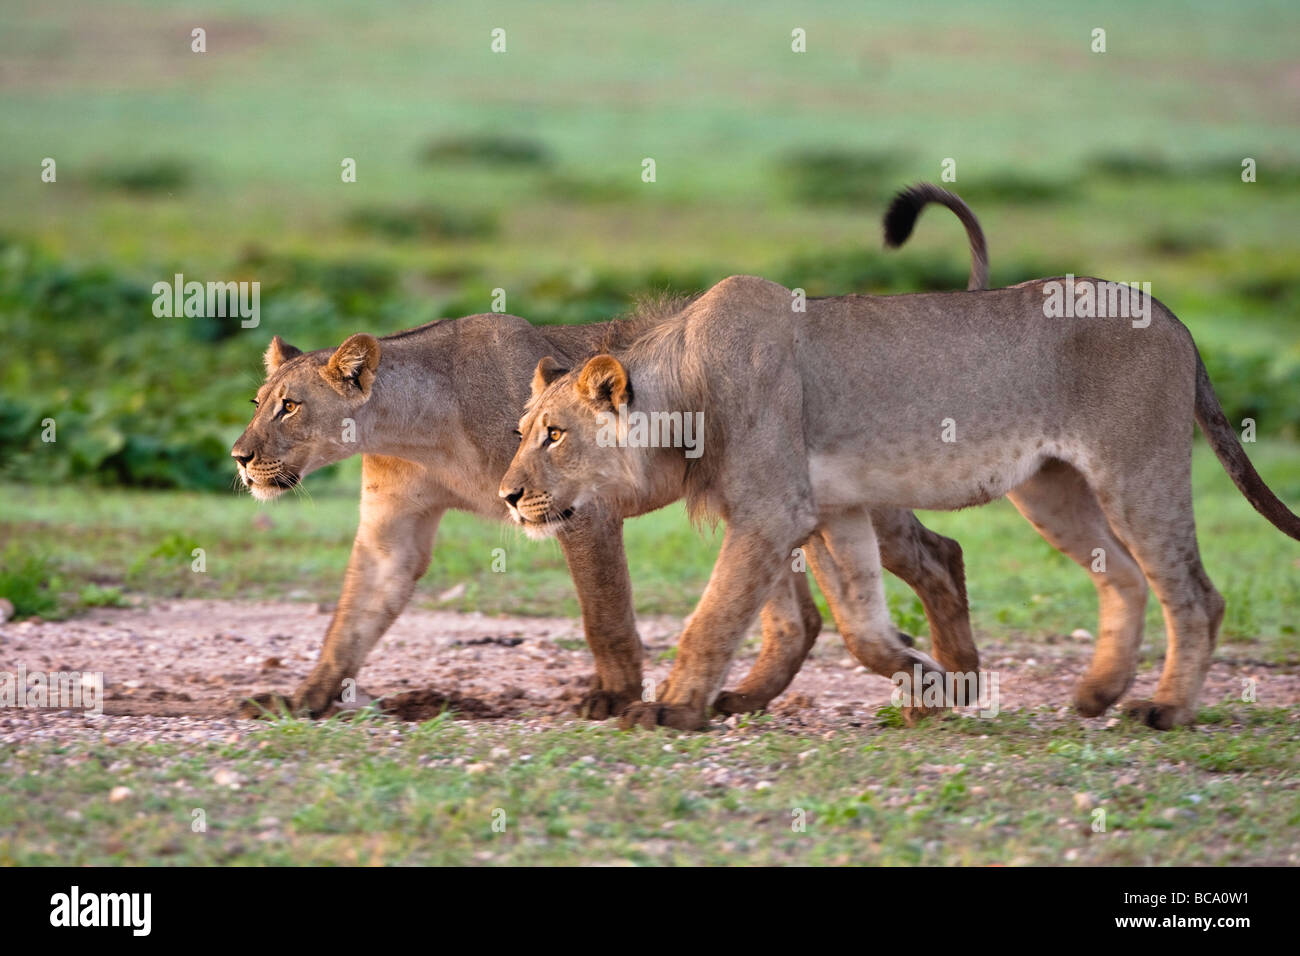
[
  {"x": 747, "y": 568},
  {"x": 791, "y": 623}
]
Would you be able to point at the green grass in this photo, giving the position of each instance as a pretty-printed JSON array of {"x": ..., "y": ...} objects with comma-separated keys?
[{"x": 1019, "y": 789}]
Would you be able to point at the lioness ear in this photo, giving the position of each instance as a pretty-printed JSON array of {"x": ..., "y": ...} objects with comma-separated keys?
[
  {"x": 548, "y": 370},
  {"x": 352, "y": 366},
  {"x": 277, "y": 353},
  {"x": 603, "y": 383}
]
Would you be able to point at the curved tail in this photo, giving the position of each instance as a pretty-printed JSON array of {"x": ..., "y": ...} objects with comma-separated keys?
[
  {"x": 907, "y": 205},
  {"x": 1223, "y": 439}
]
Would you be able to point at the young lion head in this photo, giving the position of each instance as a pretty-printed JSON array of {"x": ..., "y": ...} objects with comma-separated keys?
[
  {"x": 303, "y": 410},
  {"x": 566, "y": 463}
]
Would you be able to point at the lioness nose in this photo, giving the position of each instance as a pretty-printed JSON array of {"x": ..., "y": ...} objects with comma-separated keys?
[
  {"x": 242, "y": 459},
  {"x": 512, "y": 496}
]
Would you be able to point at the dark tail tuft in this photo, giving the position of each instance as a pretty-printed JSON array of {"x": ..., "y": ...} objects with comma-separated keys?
[{"x": 906, "y": 207}]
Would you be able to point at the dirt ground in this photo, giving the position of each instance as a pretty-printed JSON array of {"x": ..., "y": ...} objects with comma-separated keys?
[{"x": 198, "y": 659}]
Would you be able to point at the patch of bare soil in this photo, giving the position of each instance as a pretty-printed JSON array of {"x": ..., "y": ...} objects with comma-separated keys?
[{"x": 200, "y": 659}]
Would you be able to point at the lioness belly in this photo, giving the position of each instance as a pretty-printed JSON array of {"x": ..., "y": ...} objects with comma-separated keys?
[{"x": 939, "y": 480}]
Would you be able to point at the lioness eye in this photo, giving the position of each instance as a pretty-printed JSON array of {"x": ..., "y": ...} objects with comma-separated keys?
[
  {"x": 554, "y": 433},
  {"x": 289, "y": 407},
  {"x": 518, "y": 434},
  {"x": 254, "y": 401}
]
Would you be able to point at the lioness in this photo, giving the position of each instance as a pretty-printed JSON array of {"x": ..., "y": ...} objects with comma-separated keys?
[
  {"x": 432, "y": 411},
  {"x": 815, "y": 421}
]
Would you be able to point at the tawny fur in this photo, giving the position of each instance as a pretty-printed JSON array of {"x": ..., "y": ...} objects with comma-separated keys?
[{"x": 815, "y": 421}]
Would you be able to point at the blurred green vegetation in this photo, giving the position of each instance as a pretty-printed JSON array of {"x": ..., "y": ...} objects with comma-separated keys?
[{"x": 522, "y": 171}]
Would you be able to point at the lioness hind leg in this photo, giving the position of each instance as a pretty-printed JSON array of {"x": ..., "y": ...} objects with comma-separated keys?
[
  {"x": 845, "y": 559},
  {"x": 1151, "y": 512},
  {"x": 931, "y": 565},
  {"x": 1063, "y": 509},
  {"x": 791, "y": 623}
]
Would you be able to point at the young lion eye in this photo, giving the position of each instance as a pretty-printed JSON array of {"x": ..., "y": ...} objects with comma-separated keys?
[
  {"x": 254, "y": 401},
  {"x": 554, "y": 434},
  {"x": 289, "y": 407}
]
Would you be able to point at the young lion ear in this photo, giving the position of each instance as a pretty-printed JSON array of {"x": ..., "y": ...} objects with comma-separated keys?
[
  {"x": 548, "y": 370},
  {"x": 352, "y": 367},
  {"x": 603, "y": 383},
  {"x": 277, "y": 353}
]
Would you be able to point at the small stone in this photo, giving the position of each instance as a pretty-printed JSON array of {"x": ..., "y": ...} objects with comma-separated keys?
[
  {"x": 1084, "y": 801},
  {"x": 227, "y": 778},
  {"x": 1080, "y": 634},
  {"x": 118, "y": 794}
]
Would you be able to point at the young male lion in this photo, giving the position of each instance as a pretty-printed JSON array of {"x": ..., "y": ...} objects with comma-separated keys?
[
  {"x": 432, "y": 412},
  {"x": 814, "y": 421}
]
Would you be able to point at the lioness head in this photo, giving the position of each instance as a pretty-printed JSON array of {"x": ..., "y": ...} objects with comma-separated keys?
[
  {"x": 303, "y": 411},
  {"x": 565, "y": 463}
]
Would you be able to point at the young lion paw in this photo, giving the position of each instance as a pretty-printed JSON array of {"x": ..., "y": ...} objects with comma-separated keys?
[
  {"x": 264, "y": 706},
  {"x": 1159, "y": 716},
  {"x": 650, "y": 714},
  {"x": 603, "y": 704},
  {"x": 733, "y": 702}
]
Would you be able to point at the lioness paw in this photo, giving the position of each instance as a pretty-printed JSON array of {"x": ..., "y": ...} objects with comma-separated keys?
[{"x": 1152, "y": 714}]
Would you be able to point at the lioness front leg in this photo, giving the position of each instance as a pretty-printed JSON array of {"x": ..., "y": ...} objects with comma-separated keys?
[
  {"x": 597, "y": 562},
  {"x": 389, "y": 555}
]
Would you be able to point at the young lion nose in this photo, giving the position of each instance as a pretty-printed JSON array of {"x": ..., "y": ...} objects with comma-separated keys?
[
  {"x": 242, "y": 459},
  {"x": 512, "y": 496}
]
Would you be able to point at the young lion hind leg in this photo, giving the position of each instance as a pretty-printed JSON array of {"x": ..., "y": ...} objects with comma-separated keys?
[
  {"x": 1063, "y": 509},
  {"x": 1151, "y": 512}
]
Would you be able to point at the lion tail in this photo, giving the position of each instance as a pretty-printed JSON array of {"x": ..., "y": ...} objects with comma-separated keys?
[
  {"x": 1223, "y": 439},
  {"x": 907, "y": 205}
]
